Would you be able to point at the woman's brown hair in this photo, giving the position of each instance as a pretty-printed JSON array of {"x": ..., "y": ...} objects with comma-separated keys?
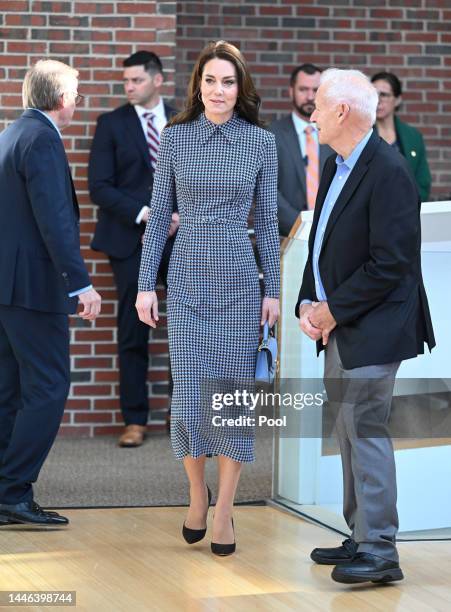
[{"x": 248, "y": 102}]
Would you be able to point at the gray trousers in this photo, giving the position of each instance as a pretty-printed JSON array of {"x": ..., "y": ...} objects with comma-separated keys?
[{"x": 361, "y": 399}]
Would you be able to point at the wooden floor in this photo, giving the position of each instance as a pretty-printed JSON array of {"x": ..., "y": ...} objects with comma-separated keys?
[{"x": 135, "y": 560}]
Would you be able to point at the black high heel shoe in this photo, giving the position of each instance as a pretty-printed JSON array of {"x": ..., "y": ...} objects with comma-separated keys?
[
  {"x": 196, "y": 535},
  {"x": 224, "y": 549}
]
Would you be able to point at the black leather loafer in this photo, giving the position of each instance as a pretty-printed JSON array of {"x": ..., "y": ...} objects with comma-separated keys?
[
  {"x": 365, "y": 567},
  {"x": 335, "y": 556},
  {"x": 7, "y": 522},
  {"x": 29, "y": 513}
]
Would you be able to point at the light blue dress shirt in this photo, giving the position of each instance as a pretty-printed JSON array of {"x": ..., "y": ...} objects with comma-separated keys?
[
  {"x": 343, "y": 171},
  {"x": 74, "y": 293}
]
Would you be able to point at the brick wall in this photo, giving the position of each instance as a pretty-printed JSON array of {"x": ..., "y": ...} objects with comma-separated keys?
[
  {"x": 274, "y": 35},
  {"x": 411, "y": 38},
  {"x": 93, "y": 37}
]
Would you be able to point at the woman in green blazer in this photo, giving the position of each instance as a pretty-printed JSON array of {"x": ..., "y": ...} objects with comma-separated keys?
[{"x": 406, "y": 138}]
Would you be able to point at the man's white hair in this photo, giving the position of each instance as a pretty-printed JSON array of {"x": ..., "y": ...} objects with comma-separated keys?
[
  {"x": 351, "y": 87},
  {"x": 45, "y": 82}
]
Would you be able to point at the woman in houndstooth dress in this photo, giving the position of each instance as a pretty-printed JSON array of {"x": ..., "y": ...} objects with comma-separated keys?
[{"x": 215, "y": 159}]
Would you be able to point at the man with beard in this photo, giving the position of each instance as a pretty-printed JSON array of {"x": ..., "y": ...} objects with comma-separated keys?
[{"x": 301, "y": 157}]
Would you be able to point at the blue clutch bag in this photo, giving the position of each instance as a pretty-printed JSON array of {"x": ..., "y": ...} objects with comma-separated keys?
[{"x": 266, "y": 366}]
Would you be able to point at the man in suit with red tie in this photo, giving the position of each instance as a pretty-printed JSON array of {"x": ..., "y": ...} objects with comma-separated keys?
[
  {"x": 121, "y": 169},
  {"x": 300, "y": 156},
  {"x": 43, "y": 278}
]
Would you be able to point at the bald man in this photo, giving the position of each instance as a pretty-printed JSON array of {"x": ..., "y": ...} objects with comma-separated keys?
[{"x": 363, "y": 301}]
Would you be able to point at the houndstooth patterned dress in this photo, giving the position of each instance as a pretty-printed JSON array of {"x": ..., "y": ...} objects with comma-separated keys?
[{"x": 214, "y": 297}]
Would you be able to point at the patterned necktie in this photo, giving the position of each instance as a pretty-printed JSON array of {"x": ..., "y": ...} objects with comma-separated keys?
[
  {"x": 312, "y": 174},
  {"x": 152, "y": 137}
]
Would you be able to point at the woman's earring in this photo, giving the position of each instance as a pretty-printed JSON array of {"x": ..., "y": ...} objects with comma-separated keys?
[{"x": 199, "y": 96}]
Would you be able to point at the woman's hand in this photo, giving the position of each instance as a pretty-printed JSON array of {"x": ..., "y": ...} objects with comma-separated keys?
[
  {"x": 270, "y": 311},
  {"x": 147, "y": 307}
]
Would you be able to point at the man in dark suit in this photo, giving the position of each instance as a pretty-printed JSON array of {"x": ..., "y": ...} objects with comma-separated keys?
[
  {"x": 43, "y": 277},
  {"x": 300, "y": 155},
  {"x": 362, "y": 299},
  {"x": 121, "y": 169}
]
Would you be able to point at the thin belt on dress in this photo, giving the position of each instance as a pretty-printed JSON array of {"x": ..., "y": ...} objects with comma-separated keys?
[{"x": 208, "y": 219}]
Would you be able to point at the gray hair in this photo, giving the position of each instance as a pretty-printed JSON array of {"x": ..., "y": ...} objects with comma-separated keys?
[
  {"x": 351, "y": 87},
  {"x": 45, "y": 82}
]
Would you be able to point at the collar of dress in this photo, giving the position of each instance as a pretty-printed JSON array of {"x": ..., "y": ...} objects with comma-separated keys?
[{"x": 230, "y": 129}]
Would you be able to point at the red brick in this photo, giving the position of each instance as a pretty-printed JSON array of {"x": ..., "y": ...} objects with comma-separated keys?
[
  {"x": 105, "y": 349},
  {"x": 106, "y": 404},
  {"x": 111, "y": 376},
  {"x": 92, "y": 363},
  {"x": 421, "y": 36},
  {"x": 105, "y": 321},
  {"x": 349, "y": 35},
  {"x": 275, "y": 10},
  {"x": 11, "y": 6},
  {"x": 54, "y": 7},
  {"x": 92, "y": 417},
  {"x": 158, "y": 403},
  {"x": 94, "y": 335},
  {"x": 155, "y": 23},
  {"x": 10, "y": 87},
  {"x": 94, "y": 8},
  {"x": 387, "y": 13},
  {"x": 81, "y": 349},
  {"x": 26, "y": 47},
  {"x": 15, "y": 101},
  {"x": 135, "y": 36},
  {"x": 385, "y": 60},
  {"x": 77, "y": 404},
  {"x": 305, "y": 11},
  {"x": 141, "y": 7},
  {"x": 158, "y": 375},
  {"x": 24, "y": 20},
  {"x": 371, "y": 24},
  {"x": 111, "y": 22},
  {"x": 89, "y": 390}
]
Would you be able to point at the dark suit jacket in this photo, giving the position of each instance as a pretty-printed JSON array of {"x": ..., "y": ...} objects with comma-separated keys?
[
  {"x": 370, "y": 263},
  {"x": 40, "y": 260},
  {"x": 292, "y": 188},
  {"x": 120, "y": 180}
]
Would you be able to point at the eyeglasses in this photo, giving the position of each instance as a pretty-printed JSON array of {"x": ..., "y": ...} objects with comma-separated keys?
[
  {"x": 78, "y": 98},
  {"x": 383, "y": 95}
]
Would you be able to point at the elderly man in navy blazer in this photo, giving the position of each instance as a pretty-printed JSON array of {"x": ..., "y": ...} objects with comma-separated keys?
[
  {"x": 43, "y": 277},
  {"x": 121, "y": 168},
  {"x": 363, "y": 300}
]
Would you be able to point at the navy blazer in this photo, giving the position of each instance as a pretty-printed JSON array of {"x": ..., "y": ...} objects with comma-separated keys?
[
  {"x": 120, "y": 180},
  {"x": 370, "y": 261},
  {"x": 40, "y": 260}
]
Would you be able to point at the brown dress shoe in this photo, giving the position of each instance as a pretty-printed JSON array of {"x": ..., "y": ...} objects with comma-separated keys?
[{"x": 132, "y": 436}]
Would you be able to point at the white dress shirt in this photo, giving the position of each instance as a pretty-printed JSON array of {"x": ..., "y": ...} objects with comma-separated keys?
[{"x": 159, "y": 122}]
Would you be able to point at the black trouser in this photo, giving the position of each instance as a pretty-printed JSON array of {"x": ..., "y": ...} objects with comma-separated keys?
[
  {"x": 34, "y": 384},
  {"x": 133, "y": 337}
]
